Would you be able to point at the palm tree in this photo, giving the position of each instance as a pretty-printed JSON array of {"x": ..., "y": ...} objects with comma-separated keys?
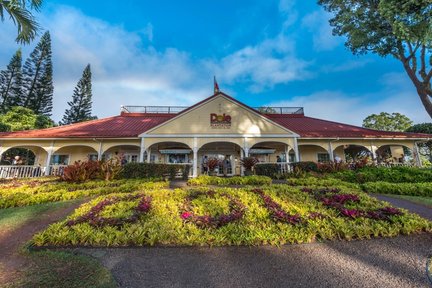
[{"x": 19, "y": 12}]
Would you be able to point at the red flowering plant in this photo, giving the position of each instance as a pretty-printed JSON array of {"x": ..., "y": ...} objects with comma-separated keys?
[
  {"x": 276, "y": 211},
  {"x": 237, "y": 210},
  {"x": 94, "y": 218},
  {"x": 331, "y": 198}
]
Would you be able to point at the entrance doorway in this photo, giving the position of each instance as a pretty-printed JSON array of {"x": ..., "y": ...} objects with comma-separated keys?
[{"x": 228, "y": 155}]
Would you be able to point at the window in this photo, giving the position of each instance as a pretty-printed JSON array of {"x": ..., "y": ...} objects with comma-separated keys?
[
  {"x": 177, "y": 158},
  {"x": 291, "y": 157},
  {"x": 60, "y": 159},
  {"x": 93, "y": 157},
  {"x": 323, "y": 157}
]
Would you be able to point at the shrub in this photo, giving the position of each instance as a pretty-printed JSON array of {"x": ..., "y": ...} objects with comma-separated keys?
[
  {"x": 331, "y": 167},
  {"x": 236, "y": 180},
  {"x": 412, "y": 189},
  {"x": 319, "y": 182},
  {"x": 248, "y": 162},
  {"x": 394, "y": 175},
  {"x": 306, "y": 166},
  {"x": 212, "y": 164},
  {"x": 110, "y": 169},
  {"x": 153, "y": 170},
  {"x": 268, "y": 169},
  {"x": 81, "y": 171}
]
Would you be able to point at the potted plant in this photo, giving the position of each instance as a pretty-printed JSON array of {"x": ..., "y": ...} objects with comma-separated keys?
[
  {"x": 212, "y": 164},
  {"x": 248, "y": 163}
]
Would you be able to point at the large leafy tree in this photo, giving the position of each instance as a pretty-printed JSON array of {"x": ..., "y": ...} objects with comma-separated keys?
[
  {"x": 398, "y": 28},
  {"x": 81, "y": 105},
  {"x": 10, "y": 84},
  {"x": 20, "y": 118},
  {"x": 387, "y": 122},
  {"x": 38, "y": 86},
  {"x": 19, "y": 12},
  {"x": 425, "y": 148}
]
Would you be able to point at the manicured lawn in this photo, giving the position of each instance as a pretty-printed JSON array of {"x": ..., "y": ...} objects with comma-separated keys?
[
  {"x": 13, "y": 218},
  {"x": 61, "y": 269},
  {"x": 32, "y": 192},
  {"x": 275, "y": 215},
  {"x": 416, "y": 199}
]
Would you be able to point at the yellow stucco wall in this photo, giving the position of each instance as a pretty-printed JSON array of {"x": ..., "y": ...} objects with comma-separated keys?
[{"x": 197, "y": 121}]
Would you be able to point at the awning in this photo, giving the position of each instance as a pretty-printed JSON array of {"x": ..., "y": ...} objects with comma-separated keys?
[
  {"x": 262, "y": 151},
  {"x": 175, "y": 151}
]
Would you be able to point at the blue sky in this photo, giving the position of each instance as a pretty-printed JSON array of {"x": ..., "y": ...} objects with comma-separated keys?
[{"x": 263, "y": 52}]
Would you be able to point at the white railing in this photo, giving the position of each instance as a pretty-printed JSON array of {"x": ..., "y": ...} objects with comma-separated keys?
[
  {"x": 29, "y": 171},
  {"x": 21, "y": 171},
  {"x": 56, "y": 170},
  {"x": 283, "y": 167}
]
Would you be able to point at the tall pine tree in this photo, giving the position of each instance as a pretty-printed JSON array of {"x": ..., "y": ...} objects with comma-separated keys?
[
  {"x": 10, "y": 84},
  {"x": 81, "y": 105},
  {"x": 38, "y": 87}
]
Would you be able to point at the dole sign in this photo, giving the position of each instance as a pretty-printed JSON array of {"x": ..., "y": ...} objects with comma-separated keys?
[{"x": 220, "y": 121}]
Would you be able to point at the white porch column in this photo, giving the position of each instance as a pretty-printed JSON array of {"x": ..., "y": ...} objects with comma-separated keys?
[
  {"x": 373, "y": 151},
  {"x": 245, "y": 147},
  {"x": 287, "y": 160},
  {"x": 296, "y": 151},
  {"x": 48, "y": 160},
  {"x": 417, "y": 155},
  {"x": 195, "y": 158},
  {"x": 148, "y": 155},
  {"x": 242, "y": 152},
  {"x": 142, "y": 151},
  {"x": 330, "y": 152},
  {"x": 100, "y": 152}
]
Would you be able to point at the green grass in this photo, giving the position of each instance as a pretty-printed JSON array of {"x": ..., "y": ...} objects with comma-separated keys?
[
  {"x": 416, "y": 199},
  {"x": 28, "y": 192},
  {"x": 164, "y": 226},
  {"x": 62, "y": 269},
  {"x": 13, "y": 218}
]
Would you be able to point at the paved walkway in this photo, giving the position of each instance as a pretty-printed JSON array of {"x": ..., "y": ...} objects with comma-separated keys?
[
  {"x": 389, "y": 262},
  {"x": 422, "y": 210}
]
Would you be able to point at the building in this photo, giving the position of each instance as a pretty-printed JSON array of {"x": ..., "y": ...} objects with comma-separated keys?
[{"x": 219, "y": 126}]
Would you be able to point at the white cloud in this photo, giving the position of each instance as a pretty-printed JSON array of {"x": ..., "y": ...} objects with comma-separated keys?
[
  {"x": 317, "y": 24},
  {"x": 266, "y": 64},
  {"x": 397, "y": 95}
]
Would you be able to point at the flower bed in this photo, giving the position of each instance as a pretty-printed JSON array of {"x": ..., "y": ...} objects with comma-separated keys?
[
  {"x": 94, "y": 218},
  {"x": 237, "y": 210},
  {"x": 331, "y": 198},
  {"x": 237, "y": 216}
]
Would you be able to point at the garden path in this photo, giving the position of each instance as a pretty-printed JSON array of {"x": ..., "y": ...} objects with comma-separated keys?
[
  {"x": 388, "y": 262},
  {"x": 422, "y": 210},
  {"x": 12, "y": 262}
]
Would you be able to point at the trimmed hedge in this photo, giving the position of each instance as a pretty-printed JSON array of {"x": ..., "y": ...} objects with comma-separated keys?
[
  {"x": 412, "y": 189},
  {"x": 236, "y": 180},
  {"x": 153, "y": 170},
  {"x": 320, "y": 182},
  {"x": 393, "y": 175},
  {"x": 269, "y": 170}
]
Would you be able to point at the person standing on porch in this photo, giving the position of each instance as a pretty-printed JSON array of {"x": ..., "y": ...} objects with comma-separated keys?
[
  {"x": 205, "y": 165},
  {"x": 225, "y": 165}
]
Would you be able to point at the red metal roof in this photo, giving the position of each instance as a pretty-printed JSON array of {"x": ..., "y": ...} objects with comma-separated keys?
[
  {"x": 133, "y": 124},
  {"x": 124, "y": 125},
  {"x": 318, "y": 128}
]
